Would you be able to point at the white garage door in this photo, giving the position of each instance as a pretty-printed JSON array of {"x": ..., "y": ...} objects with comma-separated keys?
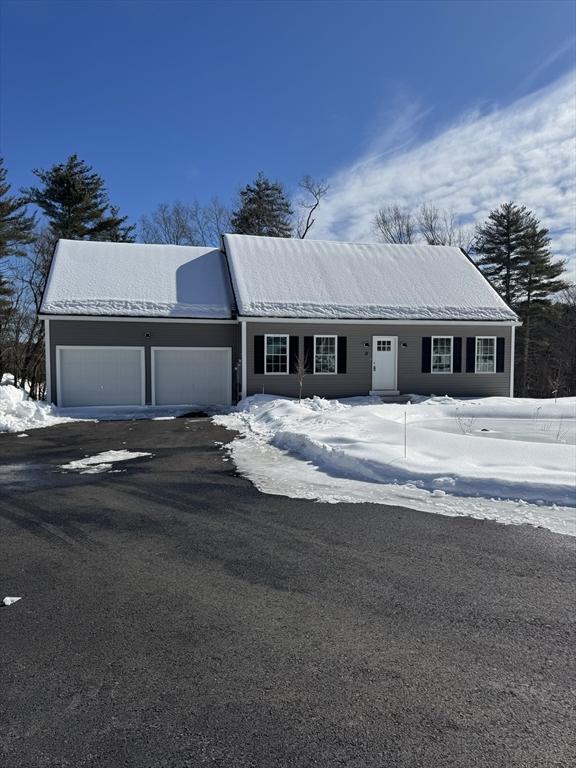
[
  {"x": 100, "y": 376},
  {"x": 191, "y": 375}
]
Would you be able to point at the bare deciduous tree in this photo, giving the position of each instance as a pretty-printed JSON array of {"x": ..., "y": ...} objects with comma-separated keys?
[
  {"x": 170, "y": 223},
  {"x": 302, "y": 369},
  {"x": 395, "y": 225},
  {"x": 441, "y": 227},
  {"x": 21, "y": 331},
  {"x": 185, "y": 224},
  {"x": 429, "y": 224},
  {"x": 210, "y": 221},
  {"x": 314, "y": 191}
]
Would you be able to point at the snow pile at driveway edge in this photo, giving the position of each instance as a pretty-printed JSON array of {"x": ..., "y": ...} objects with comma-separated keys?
[
  {"x": 19, "y": 412},
  {"x": 333, "y": 451}
]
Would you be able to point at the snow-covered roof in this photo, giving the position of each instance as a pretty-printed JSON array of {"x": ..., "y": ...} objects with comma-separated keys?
[
  {"x": 140, "y": 280},
  {"x": 280, "y": 277}
]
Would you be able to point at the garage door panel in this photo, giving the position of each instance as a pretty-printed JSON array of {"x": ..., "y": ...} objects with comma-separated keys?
[
  {"x": 100, "y": 376},
  {"x": 192, "y": 375}
]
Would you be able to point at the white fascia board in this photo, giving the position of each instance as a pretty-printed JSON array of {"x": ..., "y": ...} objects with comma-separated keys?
[
  {"x": 365, "y": 321},
  {"x": 122, "y": 319}
]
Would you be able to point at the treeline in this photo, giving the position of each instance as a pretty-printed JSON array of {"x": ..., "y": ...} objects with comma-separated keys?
[
  {"x": 70, "y": 200},
  {"x": 513, "y": 250}
]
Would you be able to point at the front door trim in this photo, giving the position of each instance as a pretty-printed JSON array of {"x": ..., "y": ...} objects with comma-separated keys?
[{"x": 376, "y": 386}]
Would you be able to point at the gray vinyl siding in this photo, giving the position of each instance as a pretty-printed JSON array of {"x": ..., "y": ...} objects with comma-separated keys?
[
  {"x": 124, "y": 333},
  {"x": 358, "y": 377}
]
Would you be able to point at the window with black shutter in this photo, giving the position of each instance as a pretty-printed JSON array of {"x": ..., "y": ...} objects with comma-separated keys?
[
  {"x": 342, "y": 351},
  {"x": 426, "y": 353}
]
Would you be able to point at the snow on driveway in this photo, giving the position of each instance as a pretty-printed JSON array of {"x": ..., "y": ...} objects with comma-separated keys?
[
  {"x": 101, "y": 462},
  {"x": 510, "y": 460},
  {"x": 18, "y": 412}
]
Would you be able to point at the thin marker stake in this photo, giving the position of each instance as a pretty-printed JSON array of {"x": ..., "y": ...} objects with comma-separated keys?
[{"x": 405, "y": 428}]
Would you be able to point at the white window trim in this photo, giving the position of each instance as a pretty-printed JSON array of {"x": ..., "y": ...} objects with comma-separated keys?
[
  {"x": 442, "y": 373},
  {"x": 494, "y": 338},
  {"x": 60, "y": 347},
  {"x": 277, "y": 373},
  {"x": 327, "y": 336}
]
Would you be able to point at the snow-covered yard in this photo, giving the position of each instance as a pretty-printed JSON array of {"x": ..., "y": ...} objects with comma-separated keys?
[{"x": 511, "y": 460}]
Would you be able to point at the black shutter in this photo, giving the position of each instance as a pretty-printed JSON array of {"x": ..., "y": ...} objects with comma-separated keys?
[
  {"x": 293, "y": 352},
  {"x": 471, "y": 354},
  {"x": 258, "y": 354},
  {"x": 309, "y": 353},
  {"x": 342, "y": 354},
  {"x": 500, "y": 346},
  {"x": 457, "y": 354},
  {"x": 426, "y": 353}
]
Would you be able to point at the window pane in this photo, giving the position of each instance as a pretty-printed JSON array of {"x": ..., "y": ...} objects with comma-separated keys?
[
  {"x": 276, "y": 354},
  {"x": 441, "y": 354},
  {"x": 485, "y": 355},
  {"x": 325, "y": 354}
]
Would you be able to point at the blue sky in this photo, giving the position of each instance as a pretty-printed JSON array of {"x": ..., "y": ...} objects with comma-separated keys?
[{"x": 183, "y": 100}]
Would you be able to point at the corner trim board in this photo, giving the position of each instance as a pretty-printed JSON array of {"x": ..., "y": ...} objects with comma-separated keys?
[
  {"x": 47, "y": 360},
  {"x": 512, "y": 354},
  {"x": 243, "y": 361}
]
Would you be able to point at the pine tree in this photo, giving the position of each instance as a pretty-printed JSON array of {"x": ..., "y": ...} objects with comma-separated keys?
[
  {"x": 499, "y": 243},
  {"x": 538, "y": 279},
  {"x": 515, "y": 256},
  {"x": 263, "y": 209},
  {"x": 16, "y": 227},
  {"x": 75, "y": 202}
]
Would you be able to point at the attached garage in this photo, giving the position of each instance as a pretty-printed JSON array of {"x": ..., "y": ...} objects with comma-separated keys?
[
  {"x": 100, "y": 375},
  {"x": 191, "y": 375}
]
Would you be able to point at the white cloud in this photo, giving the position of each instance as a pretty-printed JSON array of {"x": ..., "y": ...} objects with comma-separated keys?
[{"x": 525, "y": 152}]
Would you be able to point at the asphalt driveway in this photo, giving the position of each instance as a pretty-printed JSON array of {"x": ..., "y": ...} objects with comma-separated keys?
[{"x": 174, "y": 616}]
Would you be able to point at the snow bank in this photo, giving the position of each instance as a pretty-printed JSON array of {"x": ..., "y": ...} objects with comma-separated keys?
[
  {"x": 354, "y": 451},
  {"x": 18, "y": 412}
]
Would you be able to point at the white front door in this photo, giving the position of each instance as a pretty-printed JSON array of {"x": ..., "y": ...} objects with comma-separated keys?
[{"x": 384, "y": 351}]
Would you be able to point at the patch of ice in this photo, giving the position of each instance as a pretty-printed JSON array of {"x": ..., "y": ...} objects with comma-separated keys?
[
  {"x": 11, "y": 600},
  {"x": 101, "y": 462}
]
